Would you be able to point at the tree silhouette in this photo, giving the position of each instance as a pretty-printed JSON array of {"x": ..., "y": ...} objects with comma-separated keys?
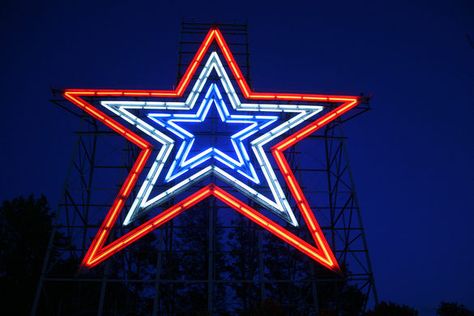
[
  {"x": 453, "y": 309},
  {"x": 188, "y": 261},
  {"x": 25, "y": 229},
  {"x": 392, "y": 309},
  {"x": 292, "y": 293},
  {"x": 266, "y": 307},
  {"x": 243, "y": 257}
]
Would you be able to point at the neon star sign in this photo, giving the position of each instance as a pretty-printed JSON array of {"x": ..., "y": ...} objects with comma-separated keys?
[{"x": 168, "y": 145}]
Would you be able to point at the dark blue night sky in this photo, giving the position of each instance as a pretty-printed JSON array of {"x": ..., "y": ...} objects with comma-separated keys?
[{"x": 412, "y": 155}]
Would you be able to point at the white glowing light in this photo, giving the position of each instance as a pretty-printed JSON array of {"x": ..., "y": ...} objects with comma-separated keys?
[{"x": 277, "y": 204}]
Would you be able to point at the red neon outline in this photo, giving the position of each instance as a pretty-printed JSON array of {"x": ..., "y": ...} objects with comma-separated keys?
[{"x": 322, "y": 253}]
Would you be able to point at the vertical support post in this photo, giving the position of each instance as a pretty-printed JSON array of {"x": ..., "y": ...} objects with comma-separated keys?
[
  {"x": 314, "y": 291},
  {"x": 103, "y": 287},
  {"x": 156, "y": 298},
  {"x": 361, "y": 225},
  {"x": 328, "y": 150},
  {"x": 261, "y": 267},
  {"x": 34, "y": 307},
  {"x": 210, "y": 269},
  {"x": 91, "y": 158}
]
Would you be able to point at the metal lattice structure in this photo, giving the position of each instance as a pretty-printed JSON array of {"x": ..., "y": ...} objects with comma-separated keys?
[{"x": 210, "y": 261}]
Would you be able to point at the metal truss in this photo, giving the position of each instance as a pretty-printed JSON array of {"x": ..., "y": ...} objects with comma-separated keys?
[{"x": 210, "y": 261}]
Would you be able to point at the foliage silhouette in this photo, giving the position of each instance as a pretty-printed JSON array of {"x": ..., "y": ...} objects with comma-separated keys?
[
  {"x": 453, "y": 309},
  {"x": 26, "y": 225},
  {"x": 392, "y": 309},
  {"x": 25, "y": 229}
]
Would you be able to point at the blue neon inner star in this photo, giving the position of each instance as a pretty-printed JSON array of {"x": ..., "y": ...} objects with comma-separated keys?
[{"x": 190, "y": 156}]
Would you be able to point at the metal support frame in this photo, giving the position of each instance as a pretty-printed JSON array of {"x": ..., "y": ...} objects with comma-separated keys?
[{"x": 149, "y": 278}]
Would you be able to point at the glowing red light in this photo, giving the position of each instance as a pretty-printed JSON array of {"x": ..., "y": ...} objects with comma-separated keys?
[{"x": 321, "y": 252}]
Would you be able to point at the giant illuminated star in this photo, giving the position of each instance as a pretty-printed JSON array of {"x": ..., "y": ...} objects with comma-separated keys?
[{"x": 163, "y": 124}]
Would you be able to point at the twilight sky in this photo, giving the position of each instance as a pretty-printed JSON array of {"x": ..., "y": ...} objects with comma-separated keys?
[{"x": 411, "y": 155}]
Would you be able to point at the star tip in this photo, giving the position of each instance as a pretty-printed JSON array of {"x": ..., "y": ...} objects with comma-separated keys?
[
  {"x": 85, "y": 265},
  {"x": 337, "y": 269}
]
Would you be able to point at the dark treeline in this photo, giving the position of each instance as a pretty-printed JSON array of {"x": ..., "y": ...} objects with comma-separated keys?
[{"x": 26, "y": 224}]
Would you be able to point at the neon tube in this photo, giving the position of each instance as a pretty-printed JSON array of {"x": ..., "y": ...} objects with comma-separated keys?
[{"x": 321, "y": 252}]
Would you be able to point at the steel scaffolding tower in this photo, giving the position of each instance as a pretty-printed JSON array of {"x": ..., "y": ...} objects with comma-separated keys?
[{"x": 209, "y": 261}]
